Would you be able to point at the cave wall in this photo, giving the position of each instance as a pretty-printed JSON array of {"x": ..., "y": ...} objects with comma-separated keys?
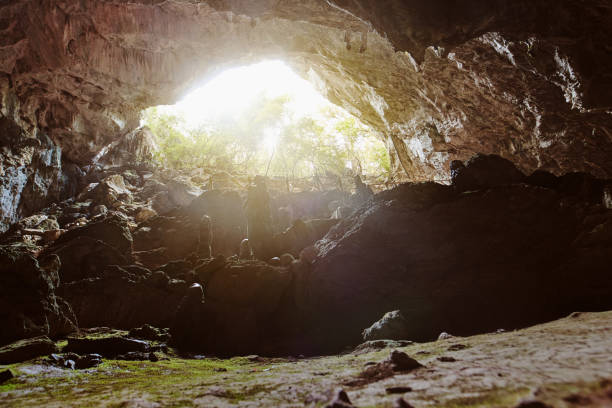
[{"x": 441, "y": 80}]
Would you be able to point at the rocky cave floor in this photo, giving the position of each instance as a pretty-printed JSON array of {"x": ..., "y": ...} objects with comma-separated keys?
[{"x": 565, "y": 363}]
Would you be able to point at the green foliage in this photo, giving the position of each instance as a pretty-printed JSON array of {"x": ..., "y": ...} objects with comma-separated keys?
[{"x": 269, "y": 138}]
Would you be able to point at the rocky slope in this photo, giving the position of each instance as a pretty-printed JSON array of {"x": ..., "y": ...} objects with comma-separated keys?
[{"x": 140, "y": 246}]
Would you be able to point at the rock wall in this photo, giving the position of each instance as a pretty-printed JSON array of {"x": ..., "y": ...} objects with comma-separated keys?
[{"x": 440, "y": 80}]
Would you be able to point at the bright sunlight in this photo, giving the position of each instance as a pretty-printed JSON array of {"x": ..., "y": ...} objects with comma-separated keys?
[{"x": 264, "y": 119}]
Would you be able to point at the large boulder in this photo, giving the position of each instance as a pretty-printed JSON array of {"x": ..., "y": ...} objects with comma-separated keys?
[
  {"x": 86, "y": 251},
  {"x": 28, "y": 302},
  {"x": 124, "y": 298},
  {"x": 484, "y": 171},
  {"x": 111, "y": 192},
  {"x": 392, "y": 326},
  {"x": 301, "y": 235},
  {"x": 176, "y": 233},
  {"x": 27, "y": 349},
  {"x": 107, "y": 346},
  {"x": 505, "y": 256},
  {"x": 241, "y": 310}
]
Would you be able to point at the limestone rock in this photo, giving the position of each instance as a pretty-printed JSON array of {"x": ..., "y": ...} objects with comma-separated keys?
[
  {"x": 392, "y": 326},
  {"x": 482, "y": 172},
  {"x": 27, "y": 349},
  {"x": 442, "y": 250},
  {"x": 109, "y": 346},
  {"x": 28, "y": 302}
]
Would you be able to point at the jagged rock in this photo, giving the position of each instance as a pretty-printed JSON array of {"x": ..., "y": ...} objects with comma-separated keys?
[
  {"x": 401, "y": 403},
  {"x": 398, "y": 362},
  {"x": 99, "y": 210},
  {"x": 136, "y": 356},
  {"x": 443, "y": 249},
  {"x": 109, "y": 346},
  {"x": 111, "y": 192},
  {"x": 206, "y": 270},
  {"x": 5, "y": 375},
  {"x": 177, "y": 233},
  {"x": 286, "y": 259},
  {"x": 86, "y": 251},
  {"x": 148, "y": 332},
  {"x": 340, "y": 400},
  {"x": 181, "y": 192},
  {"x": 302, "y": 234},
  {"x": 135, "y": 147},
  {"x": 28, "y": 303},
  {"x": 27, "y": 349},
  {"x": 401, "y": 361},
  {"x": 445, "y": 336},
  {"x": 144, "y": 214},
  {"x": 249, "y": 292},
  {"x": 484, "y": 171},
  {"x": 75, "y": 361},
  {"x": 177, "y": 269},
  {"x": 125, "y": 298},
  {"x": 392, "y": 326}
]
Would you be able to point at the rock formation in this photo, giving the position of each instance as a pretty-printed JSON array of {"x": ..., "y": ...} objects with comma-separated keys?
[
  {"x": 440, "y": 81},
  {"x": 517, "y": 234}
]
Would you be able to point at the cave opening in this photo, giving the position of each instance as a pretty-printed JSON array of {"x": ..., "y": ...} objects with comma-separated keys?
[
  {"x": 420, "y": 229},
  {"x": 264, "y": 119}
]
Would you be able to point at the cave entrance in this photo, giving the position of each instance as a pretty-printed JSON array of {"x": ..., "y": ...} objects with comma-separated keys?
[{"x": 263, "y": 119}]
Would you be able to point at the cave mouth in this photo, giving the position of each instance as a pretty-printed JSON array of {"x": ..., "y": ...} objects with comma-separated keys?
[{"x": 264, "y": 119}]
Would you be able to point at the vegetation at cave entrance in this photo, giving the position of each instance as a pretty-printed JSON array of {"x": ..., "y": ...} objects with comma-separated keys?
[{"x": 268, "y": 137}]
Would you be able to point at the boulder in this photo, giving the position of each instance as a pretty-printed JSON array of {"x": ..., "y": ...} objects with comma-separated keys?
[
  {"x": 5, "y": 375},
  {"x": 484, "y": 171},
  {"x": 392, "y": 326},
  {"x": 510, "y": 256},
  {"x": 28, "y": 302},
  {"x": 86, "y": 251},
  {"x": 148, "y": 332},
  {"x": 111, "y": 192},
  {"x": 124, "y": 298},
  {"x": 242, "y": 311},
  {"x": 27, "y": 349},
  {"x": 177, "y": 233},
  {"x": 108, "y": 346}
]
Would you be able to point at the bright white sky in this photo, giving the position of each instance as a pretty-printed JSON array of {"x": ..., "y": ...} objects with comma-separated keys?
[{"x": 235, "y": 89}]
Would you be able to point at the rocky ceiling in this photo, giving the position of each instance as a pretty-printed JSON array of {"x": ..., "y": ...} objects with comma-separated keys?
[{"x": 440, "y": 79}]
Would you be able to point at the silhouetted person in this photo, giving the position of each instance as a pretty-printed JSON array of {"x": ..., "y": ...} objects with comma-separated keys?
[
  {"x": 259, "y": 219},
  {"x": 363, "y": 192},
  {"x": 204, "y": 247}
]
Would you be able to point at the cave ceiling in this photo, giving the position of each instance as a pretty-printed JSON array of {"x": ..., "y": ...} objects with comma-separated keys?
[{"x": 439, "y": 79}]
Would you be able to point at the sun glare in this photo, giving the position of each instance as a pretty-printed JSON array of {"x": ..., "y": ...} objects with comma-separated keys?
[{"x": 235, "y": 89}]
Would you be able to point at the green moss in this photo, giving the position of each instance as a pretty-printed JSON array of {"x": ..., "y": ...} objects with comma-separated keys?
[
  {"x": 495, "y": 397},
  {"x": 166, "y": 378}
]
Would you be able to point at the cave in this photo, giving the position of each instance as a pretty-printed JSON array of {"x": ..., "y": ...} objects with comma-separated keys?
[{"x": 474, "y": 272}]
